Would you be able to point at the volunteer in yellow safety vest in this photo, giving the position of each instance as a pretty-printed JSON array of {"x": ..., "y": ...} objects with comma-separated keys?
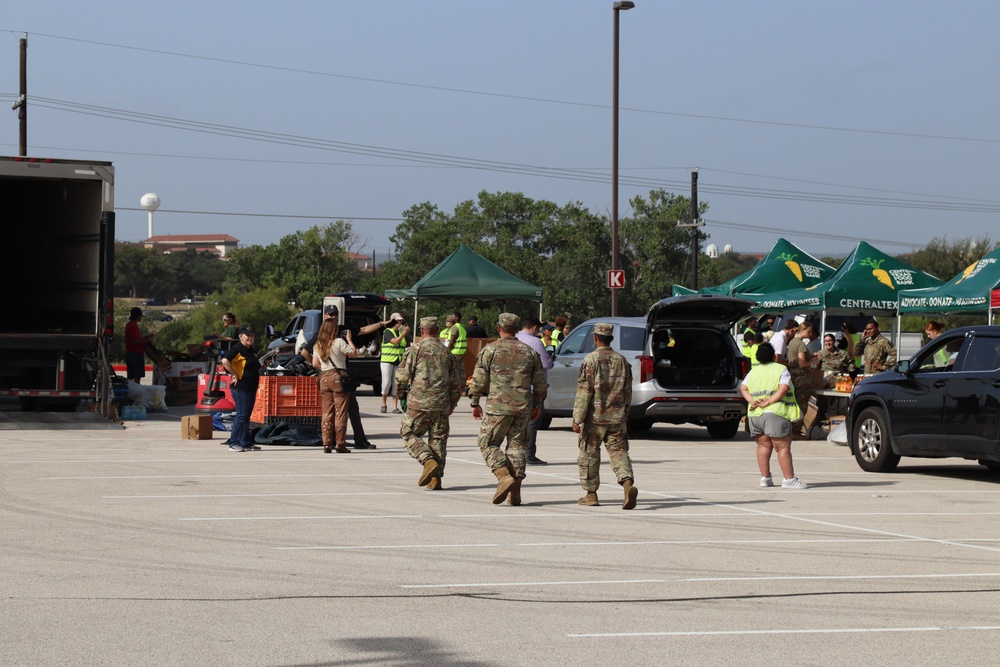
[
  {"x": 771, "y": 405},
  {"x": 456, "y": 339},
  {"x": 393, "y": 346}
]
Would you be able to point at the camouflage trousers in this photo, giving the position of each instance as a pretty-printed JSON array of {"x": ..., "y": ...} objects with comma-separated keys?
[
  {"x": 803, "y": 390},
  {"x": 491, "y": 435},
  {"x": 592, "y": 436},
  {"x": 434, "y": 424}
]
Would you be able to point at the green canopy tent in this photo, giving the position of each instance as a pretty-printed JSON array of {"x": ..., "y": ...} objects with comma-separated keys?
[
  {"x": 465, "y": 274},
  {"x": 867, "y": 283},
  {"x": 968, "y": 293},
  {"x": 785, "y": 267}
]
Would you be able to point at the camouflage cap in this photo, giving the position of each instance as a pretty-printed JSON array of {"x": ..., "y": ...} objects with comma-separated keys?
[
  {"x": 508, "y": 320},
  {"x": 604, "y": 329},
  {"x": 428, "y": 323}
]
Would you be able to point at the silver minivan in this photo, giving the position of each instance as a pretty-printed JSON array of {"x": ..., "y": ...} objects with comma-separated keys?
[{"x": 686, "y": 365}]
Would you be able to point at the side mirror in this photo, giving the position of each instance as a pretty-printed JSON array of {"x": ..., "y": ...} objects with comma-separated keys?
[
  {"x": 903, "y": 367},
  {"x": 269, "y": 330}
]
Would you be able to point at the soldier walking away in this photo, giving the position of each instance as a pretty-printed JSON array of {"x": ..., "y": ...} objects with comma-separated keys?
[
  {"x": 428, "y": 386},
  {"x": 603, "y": 395},
  {"x": 510, "y": 375}
]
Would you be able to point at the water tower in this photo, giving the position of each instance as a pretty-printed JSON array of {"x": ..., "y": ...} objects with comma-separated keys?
[{"x": 150, "y": 202}]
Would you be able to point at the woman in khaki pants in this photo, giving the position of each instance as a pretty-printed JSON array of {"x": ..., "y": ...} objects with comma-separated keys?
[{"x": 330, "y": 358}]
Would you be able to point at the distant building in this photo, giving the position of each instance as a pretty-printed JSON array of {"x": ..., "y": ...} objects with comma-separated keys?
[
  {"x": 217, "y": 244},
  {"x": 364, "y": 262}
]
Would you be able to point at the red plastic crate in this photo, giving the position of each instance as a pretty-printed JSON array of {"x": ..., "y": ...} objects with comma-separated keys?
[{"x": 293, "y": 396}]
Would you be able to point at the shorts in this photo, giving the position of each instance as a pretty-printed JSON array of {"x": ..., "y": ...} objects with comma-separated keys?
[
  {"x": 388, "y": 378},
  {"x": 135, "y": 365},
  {"x": 771, "y": 425}
]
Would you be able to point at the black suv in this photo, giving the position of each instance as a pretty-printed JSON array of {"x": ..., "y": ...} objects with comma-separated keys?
[
  {"x": 359, "y": 309},
  {"x": 943, "y": 402}
]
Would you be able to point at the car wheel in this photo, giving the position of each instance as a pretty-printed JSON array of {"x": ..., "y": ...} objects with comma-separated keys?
[
  {"x": 544, "y": 422},
  {"x": 639, "y": 425},
  {"x": 871, "y": 442},
  {"x": 723, "y": 430}
]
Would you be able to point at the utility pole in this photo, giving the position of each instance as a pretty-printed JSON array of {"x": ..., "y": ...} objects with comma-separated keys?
[
  {"x": 21, "y": 105},
  {"x": 695, "y": 223}
]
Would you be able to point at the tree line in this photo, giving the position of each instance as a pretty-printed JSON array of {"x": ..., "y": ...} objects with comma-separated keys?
[{"x": 564, "y": 249}]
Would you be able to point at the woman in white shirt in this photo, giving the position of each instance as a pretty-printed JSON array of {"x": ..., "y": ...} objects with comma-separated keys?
[{"x": 330, "y": 357}]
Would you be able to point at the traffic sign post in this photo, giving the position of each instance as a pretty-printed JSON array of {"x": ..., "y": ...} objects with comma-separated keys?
[{"x": 616, "y": 279}]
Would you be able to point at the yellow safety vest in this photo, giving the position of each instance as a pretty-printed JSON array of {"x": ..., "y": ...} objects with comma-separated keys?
[
  {"x": 762, "y": 382},
  {"x": 392, "y": 353},
  {"x": 461, "y": 341}
]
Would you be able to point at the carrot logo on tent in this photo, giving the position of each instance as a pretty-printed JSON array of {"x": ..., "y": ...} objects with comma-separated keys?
[
  {"x": 792, "y": 265},
  {"x": 880, "y": 274},
  {"x": 968, "y": 271}
]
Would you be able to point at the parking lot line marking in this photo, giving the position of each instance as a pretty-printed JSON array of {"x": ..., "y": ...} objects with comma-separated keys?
[
  {"x": 258, "y": 495},
  {"x": 809, "y": 631},
  {"x": 255, "y": 458},
  {"x": 830, "y": 524},
  {"x": 341, "y": 474},
  {"x": 298, "y": 518},
  {"x": 376, "y": 547},
  {"x": 680, "y": 580}
]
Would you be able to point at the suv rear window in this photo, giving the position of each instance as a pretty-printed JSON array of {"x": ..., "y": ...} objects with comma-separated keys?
[{"x": 632, "y": 338}]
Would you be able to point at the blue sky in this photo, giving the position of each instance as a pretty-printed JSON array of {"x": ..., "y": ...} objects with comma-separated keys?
[{"x": 814, "y": 121}]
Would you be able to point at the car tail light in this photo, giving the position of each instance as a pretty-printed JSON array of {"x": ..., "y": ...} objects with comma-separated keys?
[
  {"x": 744, "y": 367},
  {"x": 645, "y": 369}
]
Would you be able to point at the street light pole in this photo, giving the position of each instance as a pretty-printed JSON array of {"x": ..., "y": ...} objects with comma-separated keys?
[{"x": 618, "y": 7}]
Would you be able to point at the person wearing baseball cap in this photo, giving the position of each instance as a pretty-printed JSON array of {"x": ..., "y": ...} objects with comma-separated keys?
[
  {"x": 393, "y": 346},
  {"x": 603, "y": 396},
  {"x": 243, "y": 366}
]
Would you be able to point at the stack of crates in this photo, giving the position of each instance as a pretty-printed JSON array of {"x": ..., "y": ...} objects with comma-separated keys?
[{"x": 292, "y": 399}]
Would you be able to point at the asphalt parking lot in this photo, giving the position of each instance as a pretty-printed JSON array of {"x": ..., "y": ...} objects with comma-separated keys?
[{"x": 134, "y": 547}]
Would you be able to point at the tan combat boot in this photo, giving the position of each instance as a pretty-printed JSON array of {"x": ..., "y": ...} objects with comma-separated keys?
[
  {"x": 431, "y": 469},
  {"x": 589, "y": 499},
  {"x": 504, "y": 483},
  {"x": 515, "y": 493},
  {"x": 435, "y": 484},
  {"x": 631, "y": 493}
]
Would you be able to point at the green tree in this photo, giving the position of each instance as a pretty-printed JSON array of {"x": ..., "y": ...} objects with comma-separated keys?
[
  {"x": 945, "y": 259},
  {"x": 723, "y": 268},
  {"x": 307, "y": 265},
  {"x": 192, "y": 271},
  {"x": 656, "y": 252},
  {"x": 139, "y": 271},
  {"x": 257, "y": 308}
]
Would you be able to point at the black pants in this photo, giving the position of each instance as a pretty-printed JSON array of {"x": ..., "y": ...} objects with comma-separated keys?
[{"x": 354, "y": 413}]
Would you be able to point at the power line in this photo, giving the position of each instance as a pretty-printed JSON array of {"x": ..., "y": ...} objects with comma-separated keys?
[
  {"x": 436, "y": 159},
  {"x": 523, "y": 98}
]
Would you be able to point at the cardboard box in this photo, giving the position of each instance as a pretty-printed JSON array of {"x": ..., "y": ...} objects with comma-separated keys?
[
  {"x": 196, "y": 427},
  {"x": 811, "y": 416},
  {"x": 816, "y": 379}
]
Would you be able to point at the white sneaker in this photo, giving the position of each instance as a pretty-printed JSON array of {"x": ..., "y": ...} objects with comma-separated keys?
[
  {"x": 766, "y": 481},
  {"x": 794, "y": 483},
  {"x": 235, "y": 448}
]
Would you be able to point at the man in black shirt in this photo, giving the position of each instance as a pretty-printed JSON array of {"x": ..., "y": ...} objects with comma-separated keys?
[
  {"x": 474, "y": 330},
  {"x": 244, "y": 368}
]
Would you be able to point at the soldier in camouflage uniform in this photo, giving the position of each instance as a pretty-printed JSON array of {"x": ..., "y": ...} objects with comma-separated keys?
[
  {"x": 876, "y": 350},
  {"x": 429, "y": 376},
  {"x": 603, "y": 396},
  {"x": 510, "y": 375}
]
